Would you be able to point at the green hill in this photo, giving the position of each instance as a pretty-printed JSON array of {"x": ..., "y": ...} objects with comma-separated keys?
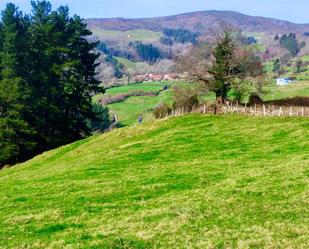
[
  {"x": 132, "y": 35},
  {"x": 187, "y": 182}
]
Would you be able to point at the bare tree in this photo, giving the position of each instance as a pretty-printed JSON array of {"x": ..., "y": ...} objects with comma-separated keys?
[{"x": 221, "y": 66}]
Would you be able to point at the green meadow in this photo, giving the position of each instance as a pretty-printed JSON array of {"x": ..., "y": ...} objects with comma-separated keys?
[
  {"x": 298, "y": 88},
  {"x": 129, "y": 109},
  {"x": 187, "y": 182},
  {"x": 132, "y": 35}
]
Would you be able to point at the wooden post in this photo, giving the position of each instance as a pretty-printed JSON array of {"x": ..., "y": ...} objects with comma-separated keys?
[
  {"x": 204, "y": 110},
  {"x": 280, "y": 111},
  {"x": 302, "y": 112},
  {"x": 264, "y": 110},
  {"x": 193, "y": 109},
  {"x": 291, "y": 108}
]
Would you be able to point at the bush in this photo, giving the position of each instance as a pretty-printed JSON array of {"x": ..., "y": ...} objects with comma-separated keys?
[
  {"x": 161, "y": 110},
  {"x": 185, "y": 98},
  {"x": 100, "y": 122}
]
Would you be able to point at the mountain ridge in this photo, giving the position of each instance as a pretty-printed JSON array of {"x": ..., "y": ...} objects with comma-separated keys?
[{"x": 201, "y": 21}]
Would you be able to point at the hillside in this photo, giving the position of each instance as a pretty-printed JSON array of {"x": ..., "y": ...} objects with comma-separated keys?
[
  {"x": 187, "y": 182},
  {"x": 202, "y": 21}
]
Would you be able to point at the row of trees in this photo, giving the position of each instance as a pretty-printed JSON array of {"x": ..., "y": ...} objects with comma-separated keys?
[
  {"x": 47, "y": 78},
  {"x": 147, "y": 52},
  {"x": 290, "y": 43},
  {"x": 179, "y": 36}
]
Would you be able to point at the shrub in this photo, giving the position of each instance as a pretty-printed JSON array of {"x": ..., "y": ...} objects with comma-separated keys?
[
  {"x": 185, "y": 98},
  {"x": 100, "y": 122},
  {"x": 161, "y": 110}
]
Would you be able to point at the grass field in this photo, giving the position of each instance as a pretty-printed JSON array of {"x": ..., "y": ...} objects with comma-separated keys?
[
  {"x": 188, "y": 182},
  {"x": 129, "y": 109},
  {"x": 132, "y": 35},
  {"x": 131, "y": 64},
  {"x": 300, "y": 88},
  {"x": 145, "y": 86}
]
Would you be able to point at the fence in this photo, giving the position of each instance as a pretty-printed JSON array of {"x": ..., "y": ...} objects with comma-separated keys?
[{"x": 255, "y": 110}]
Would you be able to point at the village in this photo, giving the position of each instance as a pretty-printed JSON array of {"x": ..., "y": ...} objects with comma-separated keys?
[{"x": 155, "y": 77}]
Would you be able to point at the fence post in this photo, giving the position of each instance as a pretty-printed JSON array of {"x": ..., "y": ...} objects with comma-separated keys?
[
  {"x": 204, "y": 110},
  {"x": 264, "y": 110},
  {"x": 302, "y": 112},
  {"x": 193, "y": 109},
  {"x": 291, "y": 111}
]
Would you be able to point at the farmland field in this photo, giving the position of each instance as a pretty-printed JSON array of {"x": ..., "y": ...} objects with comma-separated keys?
[
  {"x": 132, "y": 35},
  {"x": 129, "y": 109},
  {"x": 299, "y": 88}
]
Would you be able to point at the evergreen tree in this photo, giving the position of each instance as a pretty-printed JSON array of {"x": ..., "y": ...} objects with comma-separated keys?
[
  {"x": 290, "y": 43},
  {"x": 16, "y": 135},
  {"x": 277, "y": 65},
  {"x": 223, "y": 66},
  {"x": 47, "y": 78}
]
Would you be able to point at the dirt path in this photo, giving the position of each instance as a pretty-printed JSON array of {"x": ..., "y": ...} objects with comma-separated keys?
[{"x": 114, "y": 124}]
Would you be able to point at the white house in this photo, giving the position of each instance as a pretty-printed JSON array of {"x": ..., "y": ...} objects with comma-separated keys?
[{"x": 284, "y": 81}]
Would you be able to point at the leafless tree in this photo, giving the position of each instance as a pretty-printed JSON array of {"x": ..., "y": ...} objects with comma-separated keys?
[{"x": 222, "y": 65}]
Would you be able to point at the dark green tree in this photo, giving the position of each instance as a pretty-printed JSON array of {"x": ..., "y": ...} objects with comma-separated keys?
[
  {"x": 299, "y": 65},
  {"x": 277, "y": 65},
  {"x": 16, "y": 135},
  {"x": 291, "y": 44},
  {"x": 47, "y": 79}
]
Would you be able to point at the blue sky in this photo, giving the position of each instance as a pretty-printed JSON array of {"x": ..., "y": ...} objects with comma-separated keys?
[{"x": 295, "y": 11}]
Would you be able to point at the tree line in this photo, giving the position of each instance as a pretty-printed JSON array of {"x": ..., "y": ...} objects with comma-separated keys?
[
  {"x": 47, "y": 79},
  {"x": 179, "y": 36},
  {"x": 290, "y": 43}
]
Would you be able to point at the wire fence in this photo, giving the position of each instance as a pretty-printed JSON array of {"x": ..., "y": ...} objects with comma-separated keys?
[{"x": 236, "y": 108}]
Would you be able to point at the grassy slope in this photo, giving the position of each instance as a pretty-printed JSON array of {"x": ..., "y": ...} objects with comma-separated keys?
[
  {"x": 299, "y": 88},
  {"x": 132, "y": 35},
  {"x": 188, "y": 182},
  {"x": 129, "y": 109},
  {"x": 145, "y": 86},
  {"x": 131, "y": 64}
]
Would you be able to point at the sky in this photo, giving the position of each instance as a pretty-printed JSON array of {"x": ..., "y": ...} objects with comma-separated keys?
[{"x": 295, "y": 11}]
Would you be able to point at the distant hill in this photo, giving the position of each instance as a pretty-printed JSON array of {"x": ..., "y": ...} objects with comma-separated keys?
[{"x": 201, "y": 21}]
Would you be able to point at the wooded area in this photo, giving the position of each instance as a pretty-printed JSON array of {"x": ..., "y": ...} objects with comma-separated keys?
[{"x": 47, "y": 78}]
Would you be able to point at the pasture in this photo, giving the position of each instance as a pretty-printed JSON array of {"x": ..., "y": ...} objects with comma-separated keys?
[{"x": 187, "y": 182}]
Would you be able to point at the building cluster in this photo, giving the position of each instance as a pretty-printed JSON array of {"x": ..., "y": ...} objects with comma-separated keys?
[
  {"x": 285, "y": 81},
  {"x": 155, "y": 77}
]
